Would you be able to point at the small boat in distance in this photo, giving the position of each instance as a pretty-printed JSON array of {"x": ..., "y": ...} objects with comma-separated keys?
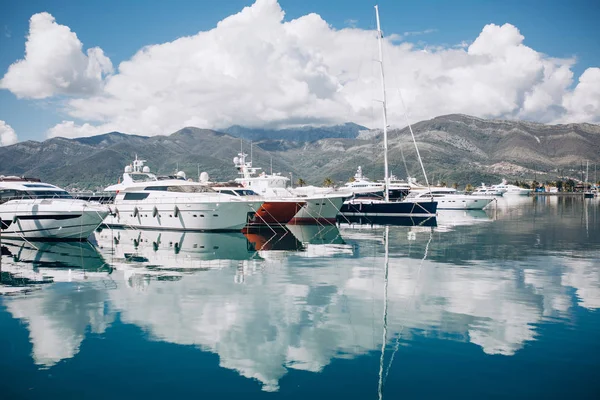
[{"x": 31, "y": 209}]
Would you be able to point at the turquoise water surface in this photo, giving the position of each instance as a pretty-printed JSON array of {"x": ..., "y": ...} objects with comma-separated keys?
[{"x": 496, "y": 304}]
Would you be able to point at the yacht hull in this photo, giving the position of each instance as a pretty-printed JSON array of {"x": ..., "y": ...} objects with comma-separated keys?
[
  {"x": 388, "y": 209},
  {"x": 463, "y": 202},
  {"x": 51, "y": 219},
  {"x": 322, "y": 210},
  {"x": 205, "y": 216},
  {"x": 274, "y": 212}
]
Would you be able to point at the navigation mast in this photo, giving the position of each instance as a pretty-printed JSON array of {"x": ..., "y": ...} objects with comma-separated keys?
[{"x": 383, "y": 107}]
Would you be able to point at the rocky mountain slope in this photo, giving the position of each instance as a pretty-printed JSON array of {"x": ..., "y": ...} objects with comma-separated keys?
[{"x": 455, "y": 148}]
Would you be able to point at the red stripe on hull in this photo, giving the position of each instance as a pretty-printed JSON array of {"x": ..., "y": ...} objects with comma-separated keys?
[{"x": 276, "y": 212}]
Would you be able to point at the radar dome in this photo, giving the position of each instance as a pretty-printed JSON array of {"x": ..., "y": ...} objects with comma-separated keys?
[
  {"x": 236, "y": 160},
  {"x": 204, "y": 177},
  {"x": 181, "y": 174},
  {"x": 128, "y": 169},
  {"x": 146, "y": 170}
]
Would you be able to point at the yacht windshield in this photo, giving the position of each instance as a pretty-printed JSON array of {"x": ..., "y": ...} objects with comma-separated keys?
[
  {"x": 190, "y": 189},
  {"x": 11, "y": 194},
  {"x": 246, "y": 192},
  {"x": 142, "y": 178}
]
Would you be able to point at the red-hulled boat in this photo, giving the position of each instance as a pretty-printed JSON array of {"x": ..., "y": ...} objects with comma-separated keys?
[{"x": 272, "y": 212}]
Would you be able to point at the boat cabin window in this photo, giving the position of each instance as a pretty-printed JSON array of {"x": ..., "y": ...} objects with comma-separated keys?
[
  {"x": 157, "y": 188},
  {"x": 246, "y": 192},
  {"x": 231, "y": 192},
  {"x": 190, "y": 189},
  {"x": 135, "y": 196},
  {"x": 181, "y": 189}
]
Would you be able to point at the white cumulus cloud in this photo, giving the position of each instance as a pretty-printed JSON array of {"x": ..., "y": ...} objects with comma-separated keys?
[
  {"x": 7, "y": 134},
  {"x": 55, "y": 64},
  {"x": 256, "y": 69}
]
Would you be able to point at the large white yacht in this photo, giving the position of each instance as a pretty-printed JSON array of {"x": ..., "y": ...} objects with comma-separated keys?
[
  {"x": 319, "y": 208},
  {"x": 449, "y": 199},
  {"x": 144, "y": 200},
  {"x": 31, "y": 209},
  {"x": 484, "y": 190},
  {"x": 508, "y": 189}
]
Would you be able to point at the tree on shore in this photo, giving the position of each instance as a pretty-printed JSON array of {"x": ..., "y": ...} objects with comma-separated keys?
[
  {"x": 301, "y": 182},
  {"x": 469, "y": 188},
  {"x": 559, "y": 186},
  {"x": 570, "y": 185},
  {"x": 328, "y": 182}
]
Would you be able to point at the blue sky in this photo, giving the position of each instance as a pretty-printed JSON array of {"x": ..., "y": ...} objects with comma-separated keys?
[{"x": 120, "y": 28}]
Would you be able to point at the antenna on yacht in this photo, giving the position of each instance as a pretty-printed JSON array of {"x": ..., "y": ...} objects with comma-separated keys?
[
  {"x": 251, "y": 151},
  {"x": 385, "y": 124},
  {"x": 198, "y": 172},
  {"x": 271, "y": 165}
]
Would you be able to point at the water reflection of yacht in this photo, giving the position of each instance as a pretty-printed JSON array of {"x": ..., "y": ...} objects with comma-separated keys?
[
  {"x": 447, "y": 219},
  {"x": 321, "y": 241},
  {"x": 281, "y": 239},
  {"x": 28, "y": 264},
  {"x": 174, "y": 250}
]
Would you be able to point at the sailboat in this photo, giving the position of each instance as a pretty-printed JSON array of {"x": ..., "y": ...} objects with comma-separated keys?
[
  {"x": 587, "y": 192},
  {"x": 365, "y": 207}
]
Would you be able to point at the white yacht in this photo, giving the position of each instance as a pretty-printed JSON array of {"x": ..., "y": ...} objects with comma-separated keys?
[
  {"x": 31, "y": 209},
  {"x": 487, "y": 191},
  {"x": 320, "y": 208},
  {"x": 361, "y": 186},
  {"x": 449, "y": 199},
  {"x": 146, "y": 201},
  {"x": 508, "y": 189}
]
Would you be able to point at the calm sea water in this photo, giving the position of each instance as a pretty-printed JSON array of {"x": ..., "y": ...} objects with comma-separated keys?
[{"x": 496, "y": 304}]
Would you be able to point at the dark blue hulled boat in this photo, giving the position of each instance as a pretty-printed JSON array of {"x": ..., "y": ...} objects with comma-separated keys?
[{"x": 361, "y": 207}]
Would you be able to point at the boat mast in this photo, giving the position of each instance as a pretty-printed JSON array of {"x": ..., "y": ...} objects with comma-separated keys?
[
  {"x": 587, "y": 167},
  {"x": 383, "y": 104}
]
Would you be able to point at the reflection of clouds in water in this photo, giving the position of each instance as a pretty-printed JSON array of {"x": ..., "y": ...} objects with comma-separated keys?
[
  {"x": 58, "y": 321},
  {"x": 584, "y": 276}
]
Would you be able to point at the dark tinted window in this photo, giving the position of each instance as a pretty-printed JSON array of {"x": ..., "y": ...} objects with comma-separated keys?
[
  {"x": 49, "y": 194},
  {"x": 157, "y": 188},
  {"x": 136, "y": 196},
  {"x": 246, "y": 192}
]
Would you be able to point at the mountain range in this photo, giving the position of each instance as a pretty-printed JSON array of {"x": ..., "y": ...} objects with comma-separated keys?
[{"x": 455, "y": 149}]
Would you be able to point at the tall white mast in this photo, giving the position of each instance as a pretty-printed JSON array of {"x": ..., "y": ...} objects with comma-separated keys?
[{"x": 383, "y": 104}]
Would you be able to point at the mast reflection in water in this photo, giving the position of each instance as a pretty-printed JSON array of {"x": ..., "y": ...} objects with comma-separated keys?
[{"x": 509, "y": 296}]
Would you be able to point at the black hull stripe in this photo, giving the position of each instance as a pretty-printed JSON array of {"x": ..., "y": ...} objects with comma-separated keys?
[{"x": 48, "y": 216}]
